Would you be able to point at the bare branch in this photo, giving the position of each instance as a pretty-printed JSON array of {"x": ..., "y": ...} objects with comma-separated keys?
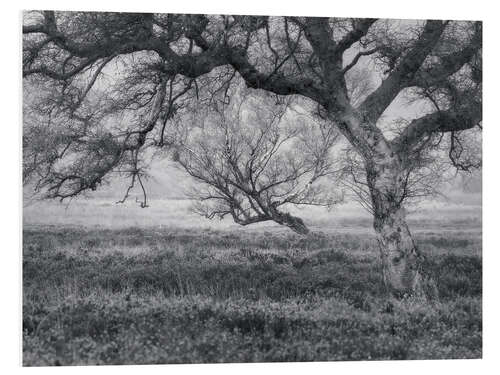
[
  {"x": 402, "y": 76},
  {"x": 357, "y": 57},
  {"x": 360, "y": 28},
  {"x": 437, "y": 122}
]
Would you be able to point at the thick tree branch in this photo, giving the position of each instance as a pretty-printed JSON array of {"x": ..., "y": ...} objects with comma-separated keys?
[
  {"x": 451, "y": 63},
  {"x": 437, "y": 122},
  {"x": 360, "y": 28},
  {"x": 402, "y": 76},
  {"x": 276, "y": 83}
]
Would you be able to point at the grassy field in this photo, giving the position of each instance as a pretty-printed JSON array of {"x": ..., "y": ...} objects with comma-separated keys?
[{"x": 148, "y": 287}]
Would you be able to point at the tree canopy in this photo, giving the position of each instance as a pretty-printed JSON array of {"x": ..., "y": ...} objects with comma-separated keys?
[{"x": 109, "y": 82}]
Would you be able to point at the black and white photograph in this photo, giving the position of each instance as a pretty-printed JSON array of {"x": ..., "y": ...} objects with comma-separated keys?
[{"x": 204, "y": 188}]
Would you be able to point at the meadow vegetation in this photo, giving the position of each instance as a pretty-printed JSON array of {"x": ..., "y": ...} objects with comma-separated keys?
[{"x": 169, "y": 295}]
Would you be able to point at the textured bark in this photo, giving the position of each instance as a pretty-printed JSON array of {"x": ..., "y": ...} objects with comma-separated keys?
[
  {"x": 294, "y": 223},
  {"x": 399, "y": 254}
]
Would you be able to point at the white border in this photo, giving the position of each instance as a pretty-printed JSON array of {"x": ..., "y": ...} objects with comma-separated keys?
[{"x": 10, "y": 146}]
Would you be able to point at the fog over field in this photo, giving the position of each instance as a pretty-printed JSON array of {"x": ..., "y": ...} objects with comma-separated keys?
[{"x": 168, "y": 190}]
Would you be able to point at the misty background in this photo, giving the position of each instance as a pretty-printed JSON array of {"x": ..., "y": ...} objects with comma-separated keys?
[{"x": 168, "y": 188}]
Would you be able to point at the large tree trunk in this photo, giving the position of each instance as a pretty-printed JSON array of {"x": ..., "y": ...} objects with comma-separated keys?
[
  {"x": 386, "y": 175},
  {"x": 400, "y": 257}
]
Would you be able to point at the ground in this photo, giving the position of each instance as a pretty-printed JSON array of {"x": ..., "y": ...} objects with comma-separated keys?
[{"x": 106, "y": 284}]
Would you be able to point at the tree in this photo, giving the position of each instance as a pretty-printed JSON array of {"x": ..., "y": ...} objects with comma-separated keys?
[
  {"x": 255, "y": 157},
  {"x": 165, "y": 60}
]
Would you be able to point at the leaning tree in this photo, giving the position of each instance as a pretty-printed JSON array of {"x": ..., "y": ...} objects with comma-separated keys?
[
  {"x": 253, "y": 158},
  {"x": 100, "y": 88}
]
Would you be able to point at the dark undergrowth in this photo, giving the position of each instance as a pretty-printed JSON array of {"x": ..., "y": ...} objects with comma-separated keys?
[{"x": 156, "y": 296}]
